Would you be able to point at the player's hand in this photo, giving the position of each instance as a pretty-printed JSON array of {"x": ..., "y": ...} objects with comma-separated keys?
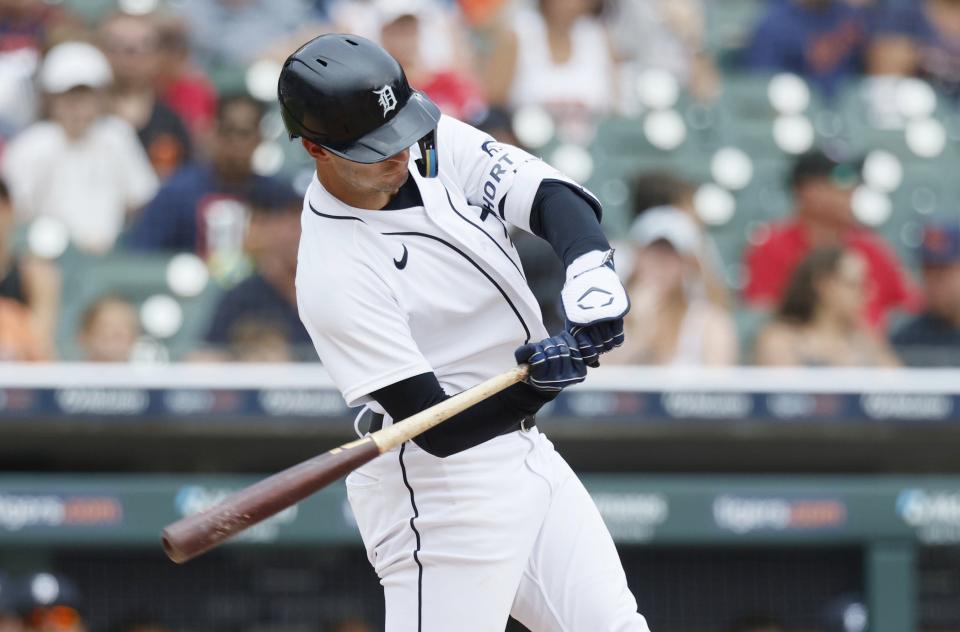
[
  {"x": 555, "y": 363},
  {"x": 594, "y": 303}
]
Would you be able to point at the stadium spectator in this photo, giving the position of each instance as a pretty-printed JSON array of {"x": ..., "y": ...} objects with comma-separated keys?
[
  {"x": 109, "y": 329},
  {"x": 819, "y": 321},
  {"x": 263, "y": 307},
  {"x": 667, "y": 35},
  {"x": 132, "y": 44},
  {"x": 933, "y": 338},
  {"x": 558, "y": 55},
  {"x": 662, "y": 187},
  {"x": 820, "y": 40},
  {"x": 34, "y": 25},
  {"x": 182, "y": 85},
  {"x": 27, "y": 29},
  {"x": 822, "y": 216},
  {"x": 456, "y": 93},
  {"x": 442, "y": 41},
  {"x": 29, "y": 281},
  {"x": 920, "y": 38},
  {"x": 202, "y": 207},
  {"x": 671, "y": 320},
  {"x": 83, "y": 166}
]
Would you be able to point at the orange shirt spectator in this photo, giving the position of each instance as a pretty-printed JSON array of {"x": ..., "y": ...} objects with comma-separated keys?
[{"x": 20, "y": 338}]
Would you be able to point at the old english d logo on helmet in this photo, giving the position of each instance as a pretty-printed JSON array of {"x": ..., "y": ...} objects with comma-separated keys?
[
  {"x": 349, "y": 96},
  {"x": 387, "y": 100}
]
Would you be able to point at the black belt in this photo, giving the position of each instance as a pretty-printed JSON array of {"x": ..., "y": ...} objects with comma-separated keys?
[{"x": 525, "y": 424}]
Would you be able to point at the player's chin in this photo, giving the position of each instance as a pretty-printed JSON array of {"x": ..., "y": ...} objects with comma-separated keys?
[{"x": 393, "y": 183}]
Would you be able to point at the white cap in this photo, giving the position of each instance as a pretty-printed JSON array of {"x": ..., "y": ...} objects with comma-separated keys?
[
  {"x": 669, "y": 224},
  {"x": 74, "y": 64},
  {"x": 390, "y": 10}
]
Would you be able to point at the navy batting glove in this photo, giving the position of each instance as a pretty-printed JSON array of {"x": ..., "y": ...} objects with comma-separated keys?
[
  {"x": 594, "y": 303},
  {"x": 555, "y": 363}
]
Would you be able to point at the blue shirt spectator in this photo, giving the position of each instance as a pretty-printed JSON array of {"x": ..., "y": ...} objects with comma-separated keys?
[
  {"x": 256, "y": 301},
  {"x": 188, "y": 207},
  {"x": 258, "y": 319},
  {"x": 820, "y": 40},
  {"x": 202, "y": 208},
  {"x": 920, "y": 38},
  {"x": 933, "y": 338}
]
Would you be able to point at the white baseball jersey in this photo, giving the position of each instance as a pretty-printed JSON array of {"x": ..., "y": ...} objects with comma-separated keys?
[
  {"x": 387, "y": 295},
  {"x": 501, "y": 528}
]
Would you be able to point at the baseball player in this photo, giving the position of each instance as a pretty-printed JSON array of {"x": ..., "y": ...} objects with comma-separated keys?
[{"x": 411, "y": 290}]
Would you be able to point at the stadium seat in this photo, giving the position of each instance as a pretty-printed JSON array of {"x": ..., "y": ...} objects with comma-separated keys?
[{"x": 134, "y": 277}]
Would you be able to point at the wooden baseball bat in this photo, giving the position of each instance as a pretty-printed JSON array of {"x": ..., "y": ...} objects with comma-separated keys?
[{"x": 192, "y": 535}]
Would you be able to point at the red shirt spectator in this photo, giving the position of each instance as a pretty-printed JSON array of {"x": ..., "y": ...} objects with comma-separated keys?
[
  {"x": 182, "y": 86},
  {"x": 771, "y": 263},
  {"x": 823, "y": 217}
]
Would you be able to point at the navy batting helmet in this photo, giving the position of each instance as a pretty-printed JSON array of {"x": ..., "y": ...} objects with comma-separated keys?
[{"x": 348, "y": 95}]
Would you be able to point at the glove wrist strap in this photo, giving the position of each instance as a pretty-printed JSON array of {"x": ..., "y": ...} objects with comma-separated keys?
[{"x": 589, "y": 261}]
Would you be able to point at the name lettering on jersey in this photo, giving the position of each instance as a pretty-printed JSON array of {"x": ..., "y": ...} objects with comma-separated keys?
[
  {"x": 403, "y": 259},
  {"x": 494, "y": 178},
  {"x": 594, "y": 298},
  {"x": 388, "y": 101}
]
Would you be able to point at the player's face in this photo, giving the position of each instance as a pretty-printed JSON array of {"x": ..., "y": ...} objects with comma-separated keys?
[{"x": 380, "y": 177}]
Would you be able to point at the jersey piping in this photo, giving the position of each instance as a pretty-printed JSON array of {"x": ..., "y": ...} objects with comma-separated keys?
[
  {"x": 416, "y": 550},
  {"x": 480, "y": 228},
  {"x": 503, "y": 293},
  {"x": 316, "y": 212}
]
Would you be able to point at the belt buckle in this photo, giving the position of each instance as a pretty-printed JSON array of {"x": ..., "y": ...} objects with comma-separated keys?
[{"x": 527, "y": 423}]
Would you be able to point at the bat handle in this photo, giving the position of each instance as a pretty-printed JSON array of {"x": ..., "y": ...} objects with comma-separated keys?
[{"x": 395, "y": 434}]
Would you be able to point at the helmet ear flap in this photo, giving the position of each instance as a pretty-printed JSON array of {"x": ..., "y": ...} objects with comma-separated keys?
[
  {"x": 293, "y": 127},
  {"x": 427, "y": 163}
]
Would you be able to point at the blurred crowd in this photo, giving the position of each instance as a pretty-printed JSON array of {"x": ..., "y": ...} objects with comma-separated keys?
[
  {"x": 47, "y": 602},
  {"x": 123, "y": 132}
]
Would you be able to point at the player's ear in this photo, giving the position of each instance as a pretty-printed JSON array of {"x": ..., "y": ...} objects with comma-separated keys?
[{"x": 316, "y": 151}]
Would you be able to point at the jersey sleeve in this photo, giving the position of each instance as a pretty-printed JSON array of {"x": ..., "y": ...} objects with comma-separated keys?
[
  {"x": 357, "y": 326},
  {"x": 498, "y": 177}
]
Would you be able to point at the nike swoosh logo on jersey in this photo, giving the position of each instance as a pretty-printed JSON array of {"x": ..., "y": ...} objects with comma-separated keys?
[{"x": 403, "y": 260}]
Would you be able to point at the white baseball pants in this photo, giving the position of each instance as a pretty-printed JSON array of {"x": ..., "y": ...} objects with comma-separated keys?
[{"x": 504, "y": 528}]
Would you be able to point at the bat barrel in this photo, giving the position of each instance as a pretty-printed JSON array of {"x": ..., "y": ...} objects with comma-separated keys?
[{"x": 200, "y": 532}]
